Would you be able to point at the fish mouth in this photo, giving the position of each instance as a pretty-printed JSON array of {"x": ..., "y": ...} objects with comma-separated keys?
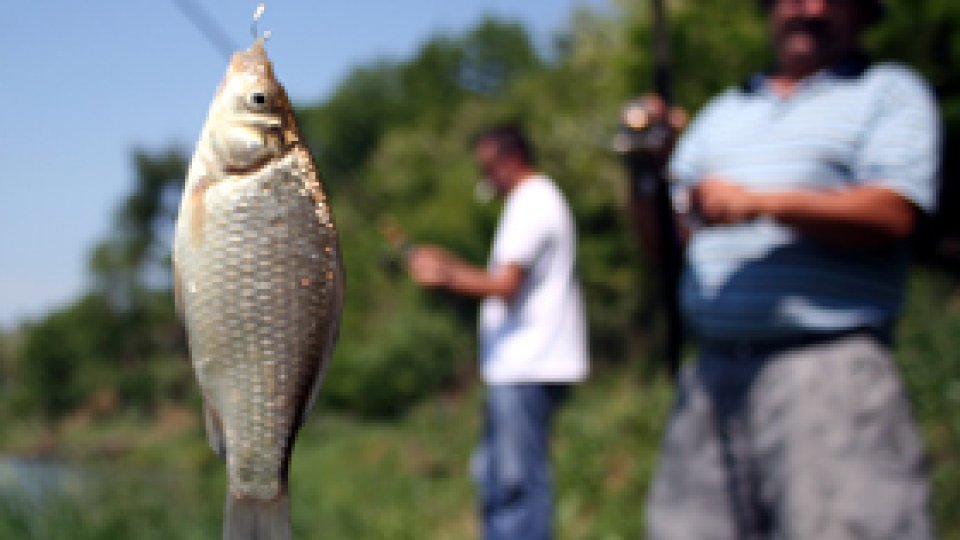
[
  {"x": 258, "y": 165},
  {"x": 256, "y": 119}
]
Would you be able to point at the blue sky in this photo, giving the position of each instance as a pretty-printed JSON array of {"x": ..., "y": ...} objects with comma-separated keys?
[{"x": 84, "y": 82}]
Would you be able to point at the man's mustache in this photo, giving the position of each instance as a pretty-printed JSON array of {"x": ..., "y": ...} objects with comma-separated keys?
[{"x": 815, "y": 27}]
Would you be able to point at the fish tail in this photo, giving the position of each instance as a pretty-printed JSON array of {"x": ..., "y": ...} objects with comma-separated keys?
[{"x": 253, "y": 519}]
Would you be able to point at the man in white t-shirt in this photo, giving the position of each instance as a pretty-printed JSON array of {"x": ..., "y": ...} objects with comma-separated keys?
[{"x": 533, "y": 342}]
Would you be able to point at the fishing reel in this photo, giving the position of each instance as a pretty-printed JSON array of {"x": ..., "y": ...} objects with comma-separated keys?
[
  {"x": 644, "y": 141},
  {"x": 641, "y": 132},
  {"x": 645, "y": 129}
]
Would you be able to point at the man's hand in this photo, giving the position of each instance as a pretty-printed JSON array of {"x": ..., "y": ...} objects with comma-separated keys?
[
  {"x": 653, "y": 126},
  {"x": 656, "y": 110},
  {"x": 435, "y": 267},
  {"x": 860, "y": 216},
  {"x": 718, "y": 201},
  {"x": 430, "y": 266}
]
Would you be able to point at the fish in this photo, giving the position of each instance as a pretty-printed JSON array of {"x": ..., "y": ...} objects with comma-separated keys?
[{"x": 259, "y": 284}]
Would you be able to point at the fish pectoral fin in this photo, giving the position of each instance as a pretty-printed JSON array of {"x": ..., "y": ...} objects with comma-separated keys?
[
  {"x": 214, "y": 431},
  {"x": 177, "y": 291}
]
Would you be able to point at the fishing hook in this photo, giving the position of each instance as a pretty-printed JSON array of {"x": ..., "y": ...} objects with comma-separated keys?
[{"x": 256, "y": 18}]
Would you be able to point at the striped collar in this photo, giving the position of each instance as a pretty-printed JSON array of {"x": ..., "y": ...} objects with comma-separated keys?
[{"x": 851, "y": 67}]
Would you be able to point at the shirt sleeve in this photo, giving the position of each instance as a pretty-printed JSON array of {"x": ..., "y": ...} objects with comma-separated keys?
[
  {"x": 687, "y": 166},
  {"x": 525, "y": 229},
  {"x": 902, "y": 149}
]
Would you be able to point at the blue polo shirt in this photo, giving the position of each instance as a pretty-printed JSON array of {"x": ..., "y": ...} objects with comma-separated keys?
[{"x": 855, "y": 124}]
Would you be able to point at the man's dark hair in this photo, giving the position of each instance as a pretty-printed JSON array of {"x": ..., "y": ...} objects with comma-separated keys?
[
  {"x": 873, "y": 10},
  {"x": 510, "y": 140}
]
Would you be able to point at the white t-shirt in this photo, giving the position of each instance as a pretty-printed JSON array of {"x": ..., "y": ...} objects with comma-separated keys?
[{"x": 541, "y": 335}]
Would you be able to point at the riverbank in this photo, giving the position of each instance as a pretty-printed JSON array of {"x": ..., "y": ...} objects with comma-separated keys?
[{"x": 359, "y": 479}]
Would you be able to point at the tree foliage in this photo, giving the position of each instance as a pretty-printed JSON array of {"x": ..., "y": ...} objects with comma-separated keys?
[
  {"x": 105, "y": 345},
  {"x": 926, "y": 35},
  {"x": 346, "y": 129}
]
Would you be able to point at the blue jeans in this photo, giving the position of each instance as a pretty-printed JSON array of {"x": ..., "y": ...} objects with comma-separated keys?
[{"x": 512, "y": 464}]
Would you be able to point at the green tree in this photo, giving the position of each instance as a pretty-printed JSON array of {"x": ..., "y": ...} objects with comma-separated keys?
[
  {"x": 107, "y": 340},
  {"x": 926, "y": 36},
  {"x": 135, "y": 255},
  {"x": 344, "y": 130}
]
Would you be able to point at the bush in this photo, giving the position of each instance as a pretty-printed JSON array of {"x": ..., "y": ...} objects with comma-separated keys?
[
  {"x": 929, "y": 341},
  {"x": 398, "y": 360}
]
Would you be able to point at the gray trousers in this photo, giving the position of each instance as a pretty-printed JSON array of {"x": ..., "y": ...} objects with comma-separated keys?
[{"x": 799, "y": 443}]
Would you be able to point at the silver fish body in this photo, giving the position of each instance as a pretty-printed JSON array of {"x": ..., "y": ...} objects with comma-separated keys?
[{"x": 258, "y": 281}]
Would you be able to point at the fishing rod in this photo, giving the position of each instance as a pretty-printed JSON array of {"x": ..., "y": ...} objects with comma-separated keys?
[
  {"x": 643, "y": 142},
  {"x": 208, "y": 27}
]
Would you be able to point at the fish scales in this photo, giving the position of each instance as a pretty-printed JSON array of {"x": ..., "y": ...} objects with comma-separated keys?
[
  {"x": 259, "y": 279},
  {"x": 259, "y": 338}
]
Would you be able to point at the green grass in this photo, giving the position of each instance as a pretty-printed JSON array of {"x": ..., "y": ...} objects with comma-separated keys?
[
  {"x": 352, "y": 479},
  {"x": 401, "y": 479}
]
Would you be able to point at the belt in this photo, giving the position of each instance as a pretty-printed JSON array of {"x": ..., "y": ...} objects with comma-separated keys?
[{"x": 756, "y": 348}]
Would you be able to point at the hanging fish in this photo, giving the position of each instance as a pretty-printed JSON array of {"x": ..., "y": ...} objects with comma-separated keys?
[{"x": 259, "y": 284}]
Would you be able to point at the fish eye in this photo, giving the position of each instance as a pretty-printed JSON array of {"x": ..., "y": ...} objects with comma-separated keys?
[{"x": 258, "y": 98}]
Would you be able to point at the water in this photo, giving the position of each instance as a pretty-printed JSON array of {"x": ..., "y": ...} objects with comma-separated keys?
[{"x": 35, "y": 480}]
